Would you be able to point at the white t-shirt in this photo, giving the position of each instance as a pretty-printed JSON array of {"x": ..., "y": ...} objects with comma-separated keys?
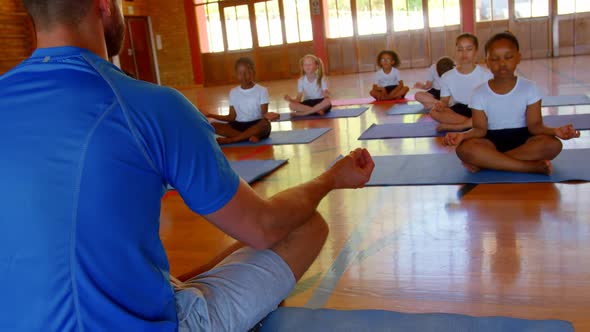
[
  {"x": 508, "y": 110},
  {"x": 247, "y": 102},
  {"x": 310, "y": 89},
  {"x": 433, "y": 77},
  {"x": 460, "y": 87},
  {"x": 382, "y": 80}
]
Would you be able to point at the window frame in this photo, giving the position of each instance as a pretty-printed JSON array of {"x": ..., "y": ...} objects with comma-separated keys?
[{"x": 222, "y": 5}]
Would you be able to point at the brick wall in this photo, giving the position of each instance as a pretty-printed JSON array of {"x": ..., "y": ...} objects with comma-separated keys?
[
  {"x": 169, "y": 21},
  {"x": 16, "y": 35}
]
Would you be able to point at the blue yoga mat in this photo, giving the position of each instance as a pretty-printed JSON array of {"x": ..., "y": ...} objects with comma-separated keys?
[
  {"x": 565, "y": 100},
  {"x": 411, "y": 107},
  {"x": 254, "y": 170},
  {"x": 350, "y": 112},
  {"x": 401, "y": 130},
  {"x": 428, "y": 128},
  {"x": 287, "y": 319},
  {"x": 446, "y": 168},
  {"x": 298, "y": 136}
]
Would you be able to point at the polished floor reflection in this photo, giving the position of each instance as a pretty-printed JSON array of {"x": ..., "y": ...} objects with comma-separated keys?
[{"x": 520, "y": 250}]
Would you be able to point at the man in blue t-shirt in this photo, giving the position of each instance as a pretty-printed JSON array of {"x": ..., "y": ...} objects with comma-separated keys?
[{"x": 86, "y": 155}]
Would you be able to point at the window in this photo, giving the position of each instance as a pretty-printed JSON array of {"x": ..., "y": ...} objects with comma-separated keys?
[
  {"x": 407, "y": 15},
  {"x": 339, "y": 19},
  {"x": 443, "y": 13},
  {"x": 211, "y": 36},
  {"x": 491, "y": 10},
  {"x": 239, "y": 17},
  {"x": 297, "y": 20},
  {"x": 572, "y": 6},
  {"x": 370, "y": 17},
  {"x": 237, "y": 27},
  {"x": 268, "y": 23},
  {"x": 531, "y": 8}
]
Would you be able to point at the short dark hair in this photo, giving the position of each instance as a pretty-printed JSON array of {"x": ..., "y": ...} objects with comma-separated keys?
[
  {"x": 443, "y": 65},
  {"x": 392, "y": 54},
  {"x": 467, "y": 35},
  {"x": 506, "y": 35},
  {"x": 46, "y": 13},
  {"x": 244, "y": 61}
]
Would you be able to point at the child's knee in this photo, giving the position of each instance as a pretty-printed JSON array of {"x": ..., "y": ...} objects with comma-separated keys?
[
  {"x": 265, "y": 127},
  {"x": 465, "y": 150},
  {"x": 553, "y": 146}
]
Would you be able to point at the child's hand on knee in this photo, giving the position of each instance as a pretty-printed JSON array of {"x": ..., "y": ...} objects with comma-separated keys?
[
  {"x": 453, "y": 139},
  {"x": 272, "y": 116},
  {"x": 567, "y": 132},
  {"x": 438, "y": 106}
]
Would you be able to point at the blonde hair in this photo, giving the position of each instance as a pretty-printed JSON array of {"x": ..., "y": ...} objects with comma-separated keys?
[{"x": 319, "y": 72}]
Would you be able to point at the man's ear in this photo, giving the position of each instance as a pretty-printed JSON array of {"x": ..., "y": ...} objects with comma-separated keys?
[{"x": 105, "y": 7}]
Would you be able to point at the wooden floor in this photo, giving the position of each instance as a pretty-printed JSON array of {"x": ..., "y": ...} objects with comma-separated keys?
[{"x": 520, "y": 250}]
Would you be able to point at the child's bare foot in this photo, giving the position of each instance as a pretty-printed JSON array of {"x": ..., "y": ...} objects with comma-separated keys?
[
  {"x": 544, "y": 167},
  {"x": 322, "y": 112},
  {"x": 472, "y": 168},
  {"x": 254, "y": 139}
]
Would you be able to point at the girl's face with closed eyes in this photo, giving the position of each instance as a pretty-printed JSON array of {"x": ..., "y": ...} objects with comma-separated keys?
[
  {"x": 502, "y": 59},
  {"x": 465, "y": 51}
]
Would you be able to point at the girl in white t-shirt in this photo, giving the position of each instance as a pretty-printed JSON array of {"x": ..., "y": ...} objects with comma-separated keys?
[
  {"x": 508, "y": 132},
  {"x": 432, "y": 84},
  {"x": 388, "y": 84},
  {"x": 248, "y": 117},
  {"x": 312, "y": 89},
  {"x": 457, "y": 86}
]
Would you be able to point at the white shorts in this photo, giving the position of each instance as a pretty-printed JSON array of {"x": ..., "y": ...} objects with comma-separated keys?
[{"x": 236, "y": 294}]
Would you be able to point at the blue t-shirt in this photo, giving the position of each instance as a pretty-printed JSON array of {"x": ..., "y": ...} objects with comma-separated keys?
[{"x": 85, "y": 155}]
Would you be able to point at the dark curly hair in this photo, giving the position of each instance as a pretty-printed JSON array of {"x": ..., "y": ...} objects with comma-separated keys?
[
  {"x": 244, "y": 61},
  {"x": 394, "y": 56},
  {"x": 506, "y": 35},
  {"x": 443, "y": 65}
]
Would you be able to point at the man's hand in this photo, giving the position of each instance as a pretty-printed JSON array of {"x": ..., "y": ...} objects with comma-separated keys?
[{"x": 352, "y": 171}]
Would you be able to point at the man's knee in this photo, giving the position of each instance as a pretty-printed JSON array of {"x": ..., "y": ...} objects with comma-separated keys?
[{"x": 322, "y": 228}]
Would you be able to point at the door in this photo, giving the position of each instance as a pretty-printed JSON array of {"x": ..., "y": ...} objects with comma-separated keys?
[
  {"x": 573, "y": 24},
  {"x": 491, "y": 17},
  {"x": 409, "y": 38},
  {"x": 530, "y": 23},
  {"x": 136, "y": 56},
  {"x": 444, "y": 25}
]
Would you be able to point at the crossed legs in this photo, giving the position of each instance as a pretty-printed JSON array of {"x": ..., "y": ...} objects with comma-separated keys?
[
  {"x": 532, "y": 157},
  {"x": 230, "y": 135},
  {"x": 248, "y": 284}
]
